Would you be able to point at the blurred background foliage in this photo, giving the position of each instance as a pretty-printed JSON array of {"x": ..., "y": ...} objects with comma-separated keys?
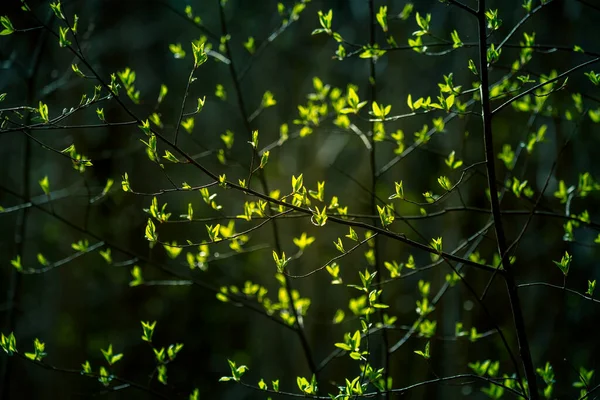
[{"x": 86, "y": 304}]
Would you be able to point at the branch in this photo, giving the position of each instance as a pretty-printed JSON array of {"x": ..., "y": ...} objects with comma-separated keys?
[
  {"x": 299, "y": 328},
  {"x": 549, "y": 81},
  {"x": 496, "y": 213},
  {"x": 463, "y": 7}
]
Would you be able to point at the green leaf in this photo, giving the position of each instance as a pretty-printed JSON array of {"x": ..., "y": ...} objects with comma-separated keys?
[
  {"x": 16, "y": 262},
  {"x": 297, "y": 183},
  {"x": 106, "y": 255},
  {"x": 177, "y": 50},
  {"x": 564, "y": 263},
  {"x": 125, "y": 183},
  {"x": 8, "y": 26},
  {"x": 8, "y": 343},
  {"x": 188, "y": 124},
  {"x": 170, "y": 157},
  {"x": 62, "y": 36},
  {"x": 268, "y": 100},
  {"x": 45, "y": 185},
  {"x": 381, "y": 17},
  {"x": 425, "y": 354},
  {"x": 250, "y": 45},
  {"x": 43, "y": 110},
  {"x": 591, "y": 288},
  {"x": 56, "y": 8},
  {"x": 303, "y": 241},
  {"x": 109, "y": 356},
  {"x": 200, "y": 56},
  {"x": 136, "y": 274}
]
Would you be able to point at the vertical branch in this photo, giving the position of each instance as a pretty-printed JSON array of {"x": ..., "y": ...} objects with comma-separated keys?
[
  {"x": 14, "y": 285},
  {"x": 265, "y": 187},
  {"x": 373, "y": 165},
  {"x": 511, "y": 286}
]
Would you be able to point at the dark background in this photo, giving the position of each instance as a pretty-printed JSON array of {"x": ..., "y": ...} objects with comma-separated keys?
[{"x": 82, "y": 306}]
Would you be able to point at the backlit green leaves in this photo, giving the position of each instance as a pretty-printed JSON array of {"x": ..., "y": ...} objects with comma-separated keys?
[
  {"x": 213, "y": 232},
  {"x": 250, "y": 45},
  {"x": 268, "y": 100},
  {"x": 325, "y": 21},
  {"x": 319, "y": 217},
  {"x": 547, "y": 374},
  {"x": 16, "y": 262},
  {"x": 318, "y": 194},
  {"x": 591, "y": 288},
  {"x": 482, "y": 368},
  {"x": 7, "y": 25},
  {"x": 436, "y": 244},
  {"x": 172, "y": 250},
  {"x": 38, "y": 351},
  {"x": 563, "y": 193},
  {"x": 452, "y": 162},
  {"x": 254, "y": 141},
  {"x": 399, "y": 191},
  {"x": 303, "y": 241},
  {"x": 473, "y": 67},
  {"x": 564, "y": 263},
  {"x": 280, "y": 262},
  {"x": 354, "y": 102},
  {"x": 536, "y": 137},
  {"x": 493, "y": 22},
  {"x": 106, "y": 255},
  {"x": 150, "y": 232},
  {"x": 394, "y": 268},
  {"x": 334, "y": 271},
  {"x": 339, "y": 245},
  {"x": 127, "y": 77},
  {"x": 80, "y": 162},
  {"x": 352, "y": 235},
  {"x": 209, "y": 199},
  {"x": 201, "y": 101},
  {"x": 593, "y": 77},
  {"x": 56, "y": 8},
  {"x": 8, "y": 343},
  {"x": 62, "y": 36},
  {"x": 236, "y": 372},
  {"x": 351, "y": 344},
  {"x": 297, "y": 183},
  {"x": 200, "y": 56},
  {"x": 423, "y": 23},
  {"x": 456, "y": 42},
  {"x": 188, "y": 124},
  {"x": 493, "y": 54},
  {"x": 305, "y": 386},
  {"x": 177, "y": 50},
  {"x": 45, "y": 185},
  {"x": 43, "y": 111},
  {"x": 380, "y": 111},
  {"x": 424, "y": 353},
  {"x": 136, "y": 275},
  {"x": 110, "y": 357},
  {"x": 507, "y": 156},
  {"x": 220, "y": 92},
  {"x": 264, "y": 159},
  {"x": 386, "y": 214},
  {"x": 125, "y": 183},
  {"x": 381, "y": 17},
  {"x": 445, "y": 183},
  {"x": 160, "y": 214},
  {"x": 519, "y": 188},
  {"x": 189, "y": 12}
]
